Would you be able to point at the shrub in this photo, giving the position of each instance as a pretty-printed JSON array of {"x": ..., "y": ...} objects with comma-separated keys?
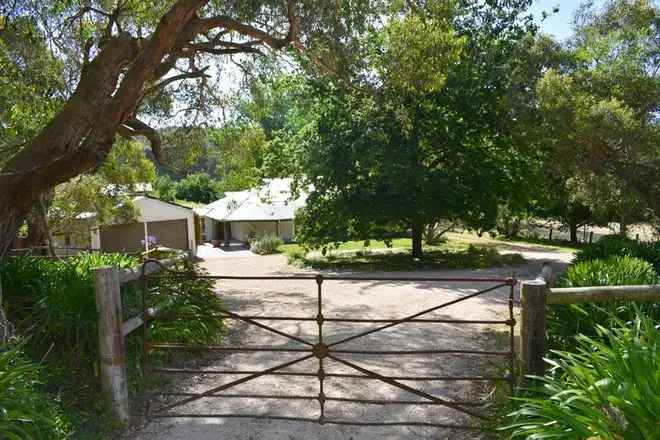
[
  {"x": 198, "y": 187},
  {"x": 566, "y": 321},
  {"x": 613, "y": 271},
  {"x": 192, "y": 308},
  {"x": 54, "y": 300},
  {"x": 609, "y": 389},
  {"x": 616, "y": 245},
  {"x": 26, "y": 412},
  {"x": 266, "y": 244}
]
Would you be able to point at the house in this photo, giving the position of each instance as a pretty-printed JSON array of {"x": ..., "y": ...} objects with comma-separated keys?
[
  {"x": 159, "y": 222},
  {"x": 241, "y": 215}
]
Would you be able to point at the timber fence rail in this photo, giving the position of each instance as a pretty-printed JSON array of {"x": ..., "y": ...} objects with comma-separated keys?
[
  {"x": 112, "y": 329},
  {"x": 537, "y": 294}
]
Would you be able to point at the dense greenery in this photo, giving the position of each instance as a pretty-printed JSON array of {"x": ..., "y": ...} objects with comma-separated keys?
[
  {"x": 611, "y": 271},
  {"x": 226, "y": 158},
  {"x": 265, "y": 244},
  {"x": 26, "y": 411},
  {"x": 603, "y": 380},
  {"x": 198, "y": 187},
  {"x": 53, "y": 303},
  {"x": 414, "y": 143},
  {"x": 607, "y": 388},
  {"x": 600, "y": 108},
  {"x": 565, "y": 322},
  {"x": 621, "y": 246}
]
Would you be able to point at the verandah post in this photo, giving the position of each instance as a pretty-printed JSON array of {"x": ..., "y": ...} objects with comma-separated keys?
[
  {"x": 533, "y": 327},
  {"x": 111, "y": 340}
]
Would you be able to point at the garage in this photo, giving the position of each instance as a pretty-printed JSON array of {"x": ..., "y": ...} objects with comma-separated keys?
[
  {"x": 159, "y": 223},
  {"x": 130, "y": 238}
]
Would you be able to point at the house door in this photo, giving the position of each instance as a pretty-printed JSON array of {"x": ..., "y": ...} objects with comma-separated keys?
[{"x": 220, "y": 230}]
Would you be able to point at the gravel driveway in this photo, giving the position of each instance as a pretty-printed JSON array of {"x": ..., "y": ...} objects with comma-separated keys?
[{"x": 356, "y": 299}]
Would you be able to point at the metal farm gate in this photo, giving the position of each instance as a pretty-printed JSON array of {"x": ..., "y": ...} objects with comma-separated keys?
[{"x": 326, "y": 350}]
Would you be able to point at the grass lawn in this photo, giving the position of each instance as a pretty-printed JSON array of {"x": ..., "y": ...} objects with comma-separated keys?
[{"x": 458, "y": 251}]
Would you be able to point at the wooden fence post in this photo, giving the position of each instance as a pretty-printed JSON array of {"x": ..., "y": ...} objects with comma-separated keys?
[
  {"x": 533, "y": 329},
  {"x": 111, "y": 340}
]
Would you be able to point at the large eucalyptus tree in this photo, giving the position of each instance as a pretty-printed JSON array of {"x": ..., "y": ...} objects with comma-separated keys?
[{"x": 116, "y": 64}]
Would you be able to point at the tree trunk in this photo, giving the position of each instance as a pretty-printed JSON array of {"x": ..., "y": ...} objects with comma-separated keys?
[
  {"x": 81, "y": 135},
  {"x": 37, "y": 223},
  {"x": 10, "y": 221},
  {"x": 574, "y": 232},
  {"x": 37, "y": 235},
  {"x": 623, "y": 227},
  {"x": 417, "y": 232}
]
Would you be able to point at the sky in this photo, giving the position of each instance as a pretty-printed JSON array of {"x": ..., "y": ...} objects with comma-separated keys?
[{"x": 558, "y": 24}]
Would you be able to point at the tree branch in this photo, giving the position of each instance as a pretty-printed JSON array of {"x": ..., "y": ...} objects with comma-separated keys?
[
  {"x": 134, "y": 127},
  {"x": 190, "y": 49},
  {"x": 164, "y": 83},
  {"x": 228, "y": 23}
]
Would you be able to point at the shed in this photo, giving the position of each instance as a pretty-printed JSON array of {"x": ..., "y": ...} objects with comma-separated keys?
[{"x": 160, "y": 222}]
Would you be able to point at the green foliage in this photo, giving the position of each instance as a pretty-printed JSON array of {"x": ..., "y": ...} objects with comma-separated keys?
[
  {"x": 31, "y": 84},
  {"x": 164, "y": 188},
  {"x": 567, "y": 321},
  {"x": 616, "y": 245},
  {"x": 416, "y": 37},
  {"x": 415, "y": 143},
  {"x": 127, "y": 165},
  {"x": 198, "y": 187},
  {"x": 266, "y": 244},
  {"x": 613, "y": 271},
  {"x": 54, "y": 301},
  {"x": 26, "y": 411},
  {"x": 608, "y": 389},
  {"x": 184, "y": 147},
  {"x": 445, "y": 256},
  {"x": 105, "y": 192},
  {"x": 191, "y": 306},
  {"x": 238, "y": 151},
  {"x": 600, "y": 108}
]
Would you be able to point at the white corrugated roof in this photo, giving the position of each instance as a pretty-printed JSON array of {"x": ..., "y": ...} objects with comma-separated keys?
[
  {"x": 272, "y": 201},
  {"x": 223, "y": 207}
]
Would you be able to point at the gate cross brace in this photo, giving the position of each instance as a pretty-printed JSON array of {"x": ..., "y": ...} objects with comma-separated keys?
[
  {"x": 408, "y": 388},
  {"x": 417, "y": 315},
  {"x": 234, "y": 383}
]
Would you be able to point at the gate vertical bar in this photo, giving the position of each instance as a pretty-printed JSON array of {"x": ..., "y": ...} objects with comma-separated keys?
[{"x": 319, "y": 352}]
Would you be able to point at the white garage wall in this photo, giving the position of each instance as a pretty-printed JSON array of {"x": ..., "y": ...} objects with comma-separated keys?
[{"x": 153, "y": 210}]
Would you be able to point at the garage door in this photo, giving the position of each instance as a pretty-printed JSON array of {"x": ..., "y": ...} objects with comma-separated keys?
[
  {"x": 122, "y": 238},
  {"x": 170, "y": 233},
  {"x": 128, "y": 238}
]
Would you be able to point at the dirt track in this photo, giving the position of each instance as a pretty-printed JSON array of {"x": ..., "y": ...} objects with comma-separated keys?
[{"x": 356, "y": 299}]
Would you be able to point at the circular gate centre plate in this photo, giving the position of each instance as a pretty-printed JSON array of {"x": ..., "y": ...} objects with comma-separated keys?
[{"x": 321, "y": 350}]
